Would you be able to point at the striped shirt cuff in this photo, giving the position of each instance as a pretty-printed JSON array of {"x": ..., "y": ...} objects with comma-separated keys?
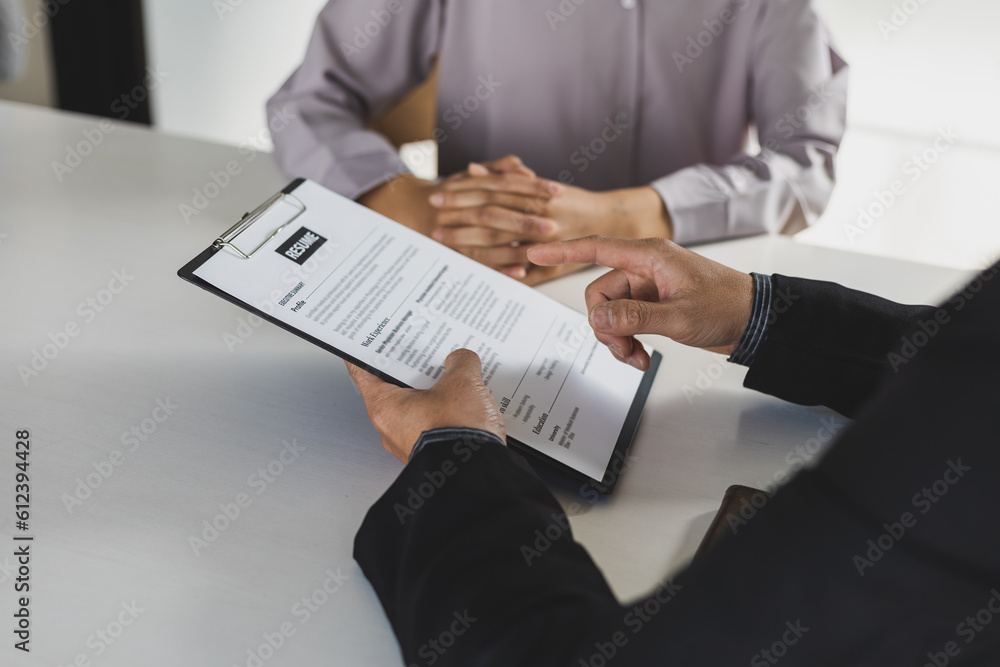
[{"x": 756, "y": 330}]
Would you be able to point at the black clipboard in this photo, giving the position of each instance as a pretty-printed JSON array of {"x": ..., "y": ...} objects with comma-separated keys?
[{"x": 619, "y": 456}]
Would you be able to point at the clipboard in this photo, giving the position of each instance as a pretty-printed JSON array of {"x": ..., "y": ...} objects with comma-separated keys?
[{"x": 272, "y": 227}]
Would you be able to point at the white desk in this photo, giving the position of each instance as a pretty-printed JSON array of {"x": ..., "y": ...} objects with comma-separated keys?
[{"x": 162, "y": 340}]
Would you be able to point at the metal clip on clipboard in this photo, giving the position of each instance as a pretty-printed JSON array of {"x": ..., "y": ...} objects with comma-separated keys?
[{"x": 226, "y": 240}]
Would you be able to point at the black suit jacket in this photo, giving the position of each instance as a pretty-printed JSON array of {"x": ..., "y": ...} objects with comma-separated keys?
[{"x": 886, "y": 553}]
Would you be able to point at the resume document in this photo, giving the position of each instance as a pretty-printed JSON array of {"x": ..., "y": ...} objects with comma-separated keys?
[{"x": 397, "y": 302}]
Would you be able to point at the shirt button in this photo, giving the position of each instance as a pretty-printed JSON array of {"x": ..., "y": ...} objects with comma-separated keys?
[
  {"x": 623, "y": 116},
  {"x": 629, "y": 4}
]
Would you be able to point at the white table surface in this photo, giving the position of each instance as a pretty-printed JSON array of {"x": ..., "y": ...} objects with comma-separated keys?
[{"x": 161, "y": 339}]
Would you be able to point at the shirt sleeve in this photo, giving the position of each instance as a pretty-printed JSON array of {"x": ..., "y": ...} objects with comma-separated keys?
[
  {"x": 798, "y": 100},
  {"x": 756, "y": 329},
  {"x": 359, "y": 64}
]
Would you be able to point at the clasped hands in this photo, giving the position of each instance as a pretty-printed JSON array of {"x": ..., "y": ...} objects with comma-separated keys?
[
  {"x": 493, "y": 212},
  {"x": 654, "y": 287}
]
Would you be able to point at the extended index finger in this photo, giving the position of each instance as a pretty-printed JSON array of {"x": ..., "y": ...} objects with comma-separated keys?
[{"x": 603, "y": 250}]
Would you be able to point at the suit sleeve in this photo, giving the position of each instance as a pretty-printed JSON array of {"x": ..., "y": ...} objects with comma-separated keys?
[
  {"x": 360, "y": 63},
  {"x": 798, "y": 101},
  {"x": 829, "y": 345},
  {"x": 878, "y": 557},
  {"x": 469, "y": 541}
]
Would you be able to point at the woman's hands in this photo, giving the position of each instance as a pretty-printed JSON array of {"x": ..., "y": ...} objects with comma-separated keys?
[
  {"x": 493, "y": 212},
  {"x": 479, "y": 210}
]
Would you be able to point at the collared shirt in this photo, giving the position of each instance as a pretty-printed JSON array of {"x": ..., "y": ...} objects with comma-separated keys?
[{"x": 602, "y": 94}]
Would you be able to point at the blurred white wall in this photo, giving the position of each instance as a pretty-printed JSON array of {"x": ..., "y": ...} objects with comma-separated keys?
[
  {"x": 941, "y": 65},
  {"x": 224, "y": 59},
  {"x": 918, "y": 67},
  {"x": 928, "y": 66}
]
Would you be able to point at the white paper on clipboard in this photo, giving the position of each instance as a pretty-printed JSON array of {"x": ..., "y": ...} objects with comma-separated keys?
[{"x": 400, "y": 302}]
